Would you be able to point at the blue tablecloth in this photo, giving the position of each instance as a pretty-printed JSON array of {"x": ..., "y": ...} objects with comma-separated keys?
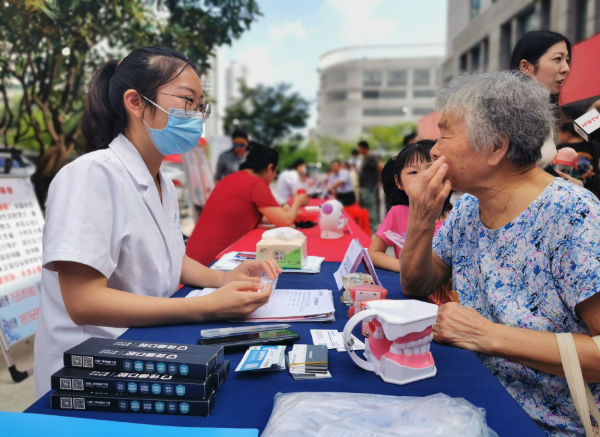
[{"x": 245, "y": 400}]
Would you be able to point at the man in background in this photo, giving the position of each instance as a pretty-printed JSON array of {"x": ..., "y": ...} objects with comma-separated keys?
[
  {"x": 340, "y": 184},
  {"x": 368, "y": 178},
  {"x": 230, "y": 161},
  {"x": 290, "y": 181}
]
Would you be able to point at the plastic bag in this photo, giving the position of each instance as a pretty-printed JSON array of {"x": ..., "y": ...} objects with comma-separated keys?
[{"x": 363, "y": 414}]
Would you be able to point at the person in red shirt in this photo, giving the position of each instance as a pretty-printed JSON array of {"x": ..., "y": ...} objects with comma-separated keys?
[{"x": 237, "y": 205}]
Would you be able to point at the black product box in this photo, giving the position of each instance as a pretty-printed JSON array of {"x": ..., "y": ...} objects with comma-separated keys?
[
  {"x": 135, "y": 384},
  {"x": 157, "y": 346},
  {"x": 141, "y": 361},
  {"x": 67, "y": 400},
  {"x": 222, "y": 371}
]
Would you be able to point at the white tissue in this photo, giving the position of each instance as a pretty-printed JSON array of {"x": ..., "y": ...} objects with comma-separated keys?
[{"x": 283, "y": 234}]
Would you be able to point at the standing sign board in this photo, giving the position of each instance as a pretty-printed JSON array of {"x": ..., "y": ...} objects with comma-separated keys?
[
  {"x": 200, "y": 179},
  {"x": 21, "y": 229}
]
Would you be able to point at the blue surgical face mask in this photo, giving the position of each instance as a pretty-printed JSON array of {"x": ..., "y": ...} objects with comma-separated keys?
[{"x": 181, "y": 134}]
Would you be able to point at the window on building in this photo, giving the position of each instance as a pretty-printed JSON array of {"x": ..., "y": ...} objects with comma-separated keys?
[
  {"x": 383, "y": 112},
  {"x": 372, "y": 78},
  {"x": 505, "y": 45},
  {"x": 463, "y": 63},
  {"x": 336, "y": 96},
  {"x": 529, "y": 21},
  {"x": 580, "y": 20},
  {"x": 545, "y": 15},
  {"x": 384, "y": 94},
  {"x": 338, "y": 77},
  {"x": 423, "y": 94},
  {"x": 422, "y": 77},
  {"x": 422, "y": 111},
  {"x": 397, "y": 78},
  {"x": 475, "y": 8},
  {"x": 597, "y": 26}
]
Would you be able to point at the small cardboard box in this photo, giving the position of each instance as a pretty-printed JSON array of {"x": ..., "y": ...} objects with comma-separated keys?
[{"x": 289, "y": 253}]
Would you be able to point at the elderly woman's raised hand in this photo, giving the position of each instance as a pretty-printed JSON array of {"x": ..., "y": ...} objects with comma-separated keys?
[{"x": 428, "y": 192}]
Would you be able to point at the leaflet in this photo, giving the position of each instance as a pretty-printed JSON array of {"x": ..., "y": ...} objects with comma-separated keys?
[
  {"x": 334, "y": 339},
  {"x": 263, "y": 358}
]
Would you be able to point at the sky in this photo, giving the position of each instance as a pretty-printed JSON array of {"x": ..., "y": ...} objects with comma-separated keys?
[{"x": 285, "y": 44}]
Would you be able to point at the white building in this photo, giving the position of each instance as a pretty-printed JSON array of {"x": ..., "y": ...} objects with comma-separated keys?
[
  {"x": 483, "y": 33},
  {"x": 373, "y": 86},
  {"x": 234, "y": 73},
  {"x": 212, "y": 87}
]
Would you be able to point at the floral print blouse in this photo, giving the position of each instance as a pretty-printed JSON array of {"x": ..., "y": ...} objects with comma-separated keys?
[{"x": 529, "y": 274}]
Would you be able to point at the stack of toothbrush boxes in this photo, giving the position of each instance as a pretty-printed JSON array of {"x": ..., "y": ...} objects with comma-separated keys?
[{"x": 112, "y": 375}]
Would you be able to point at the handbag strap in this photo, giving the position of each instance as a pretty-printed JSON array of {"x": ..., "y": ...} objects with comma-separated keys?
[{"x": 580, "y": 391}]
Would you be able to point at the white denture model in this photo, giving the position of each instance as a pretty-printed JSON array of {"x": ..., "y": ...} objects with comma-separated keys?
[{"x": 398, "y": 349}]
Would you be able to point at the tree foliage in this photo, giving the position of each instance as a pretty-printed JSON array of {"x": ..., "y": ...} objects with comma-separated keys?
[
  {"x": 267, "y": 113},
  {"x": 389, "y": 138},
  {"x": 294, "y": 149},
  {"x": 50, "y": 48}
]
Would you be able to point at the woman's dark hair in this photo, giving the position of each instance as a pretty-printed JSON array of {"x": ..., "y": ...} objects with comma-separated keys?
[
  {"x": 533, "y": 45},
  {"x": 239, "y": 133},
  {"x": 568, "y": 127},
  {"x": 413, "y": 153},
  {"x": 144, "y": 70},
  {"x": 259, "y": 157}
]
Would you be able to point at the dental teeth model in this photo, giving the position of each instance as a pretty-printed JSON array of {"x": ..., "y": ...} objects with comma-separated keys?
[{"x": 401, "y": 333}]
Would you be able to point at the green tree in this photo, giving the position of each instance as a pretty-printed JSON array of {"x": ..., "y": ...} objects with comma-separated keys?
[
  {"x": 267, "y": 113},
  {"x": 50, "y": 48},
  {"x": 389, "y": 138},
  {"x": 332, "y": 148},
  {"x": 294, "y": 149}
]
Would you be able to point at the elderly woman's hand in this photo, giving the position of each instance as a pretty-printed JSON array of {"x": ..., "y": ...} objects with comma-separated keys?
[
  {"x": 462, "y": 327},
  {"x": 428, "y": 192}
]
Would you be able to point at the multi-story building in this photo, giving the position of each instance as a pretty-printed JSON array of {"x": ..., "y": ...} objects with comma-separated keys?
[
  {"x": 359, "y": 89},
  {"x": 234, "y": 74},
  {"x": 212, "y": 88},
  {"x": 483, "y": 33}
]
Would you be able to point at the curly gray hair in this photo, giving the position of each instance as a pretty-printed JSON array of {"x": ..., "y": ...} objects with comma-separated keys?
[{"x": 495, "y": 105}]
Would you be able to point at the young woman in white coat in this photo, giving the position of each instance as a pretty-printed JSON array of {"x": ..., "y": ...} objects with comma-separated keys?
[{"x": 113, "y": 246}]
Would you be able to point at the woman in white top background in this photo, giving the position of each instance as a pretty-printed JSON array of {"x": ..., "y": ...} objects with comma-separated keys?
[{"x": 113, "y": 246}]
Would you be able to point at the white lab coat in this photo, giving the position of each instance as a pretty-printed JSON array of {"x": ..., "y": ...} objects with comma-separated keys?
[
  {"x": 288, "y": 183},
  {"x": 104, "y": 211}
]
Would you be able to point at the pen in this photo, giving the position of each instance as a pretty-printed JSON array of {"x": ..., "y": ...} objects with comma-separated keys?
[{"x": 241, "y": 330}]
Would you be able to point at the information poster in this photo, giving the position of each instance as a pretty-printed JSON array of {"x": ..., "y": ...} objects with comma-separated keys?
[{"x": 21, "y": 229}]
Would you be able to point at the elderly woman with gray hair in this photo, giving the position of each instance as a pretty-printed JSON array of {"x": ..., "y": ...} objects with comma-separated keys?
[{"x": 522, "y": 247}]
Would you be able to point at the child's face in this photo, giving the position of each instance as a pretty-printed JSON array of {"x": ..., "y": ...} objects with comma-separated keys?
[{"x": 411, "y": 171}]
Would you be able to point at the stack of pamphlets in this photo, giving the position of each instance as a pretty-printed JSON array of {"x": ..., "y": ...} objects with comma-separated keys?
[
  {"x": 262, "y": 358},
  {"x": 289, "y": 306},
  {"x": 231, "y": 260},
  {"x": 334, "y": 340},
  {"x": 309, "y": 361},
  {"x": 129, "y": 376}
]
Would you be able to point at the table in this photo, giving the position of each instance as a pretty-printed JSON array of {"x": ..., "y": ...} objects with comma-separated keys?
[
  {"x": 332, "y": 250},
  {"x": 245, "y": 400}
]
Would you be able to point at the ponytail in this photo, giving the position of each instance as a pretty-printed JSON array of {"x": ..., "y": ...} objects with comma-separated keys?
[
  {"x": 100, "y": 123},
  {"x": 143, "y": 70}
]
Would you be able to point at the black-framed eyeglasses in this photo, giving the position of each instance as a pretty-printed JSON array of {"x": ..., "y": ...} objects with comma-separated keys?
[{"x": 193, "y": 106}]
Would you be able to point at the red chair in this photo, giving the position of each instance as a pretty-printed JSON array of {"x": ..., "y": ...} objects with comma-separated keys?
[{"x": 360, "y": 216}]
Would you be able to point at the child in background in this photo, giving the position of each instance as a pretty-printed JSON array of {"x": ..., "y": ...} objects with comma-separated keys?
[{"x": 398, "y": 173}]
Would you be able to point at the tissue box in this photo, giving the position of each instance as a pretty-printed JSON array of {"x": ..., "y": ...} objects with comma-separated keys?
[{"x": 286, "y": 246}]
